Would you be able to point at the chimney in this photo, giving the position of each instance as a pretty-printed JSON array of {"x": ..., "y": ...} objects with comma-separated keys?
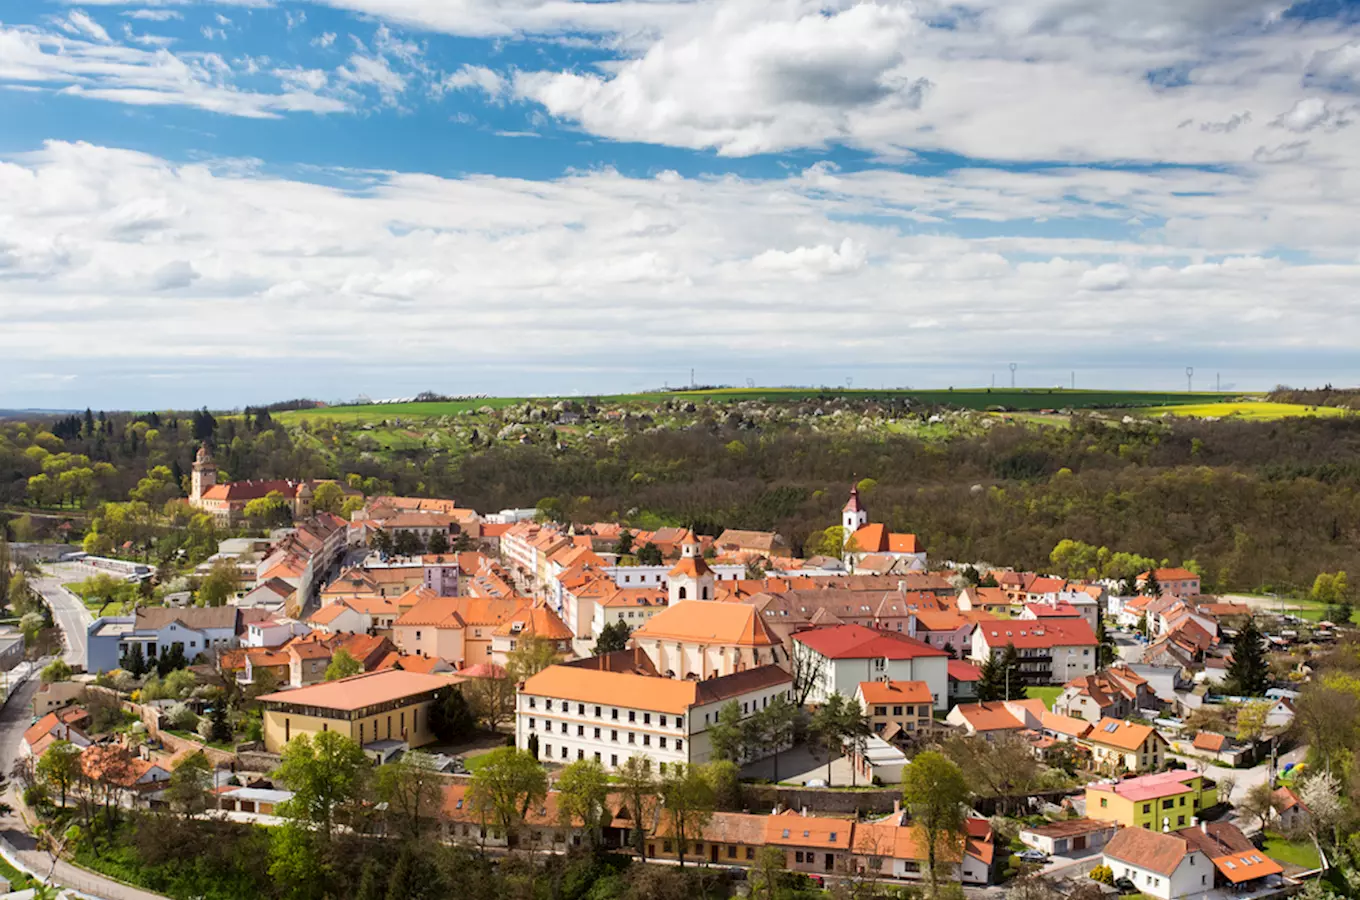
[{"x": 1204, "y": 827}]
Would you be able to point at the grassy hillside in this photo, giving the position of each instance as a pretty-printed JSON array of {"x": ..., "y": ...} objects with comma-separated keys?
[{"x": 969, "y": 398}]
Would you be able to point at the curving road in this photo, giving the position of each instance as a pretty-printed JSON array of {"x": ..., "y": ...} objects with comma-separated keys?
[{"x": 68, "y": 611}]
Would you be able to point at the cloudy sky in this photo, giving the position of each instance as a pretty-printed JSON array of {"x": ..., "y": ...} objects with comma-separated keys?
[{"x": 244, "y": 200}]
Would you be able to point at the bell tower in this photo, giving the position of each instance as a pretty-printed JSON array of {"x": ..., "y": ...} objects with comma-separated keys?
[
  {"x": 854, "y": 516},
  {"x": 204, "y": 476}
]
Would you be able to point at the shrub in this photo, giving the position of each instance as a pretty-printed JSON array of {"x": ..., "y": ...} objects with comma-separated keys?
[
  {"x": 182, "y": 718},
  {"x": 1103, "y": 874}
]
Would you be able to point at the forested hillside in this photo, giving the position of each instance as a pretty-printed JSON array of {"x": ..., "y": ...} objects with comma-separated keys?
[{"x": 1253, "y": 504}]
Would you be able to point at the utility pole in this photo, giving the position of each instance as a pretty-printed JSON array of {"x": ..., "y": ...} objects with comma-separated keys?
[
  {"x": 1189, "y": 379},
  {"x": 1218, "y": 382},
  {"x": 691, "y": 379},
  {"x": 1014, "y": 366},
  {"x": 1074, "y": 381}
]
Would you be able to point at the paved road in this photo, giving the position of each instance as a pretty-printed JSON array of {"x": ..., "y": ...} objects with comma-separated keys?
[
  {"x": 1245, "y": 779},
  {"x": 69, "y": 613}
]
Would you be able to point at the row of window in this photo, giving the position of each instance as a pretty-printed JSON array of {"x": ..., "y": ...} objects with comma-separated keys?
[
  {"x": 902, "y": 710},
  {"x": 631, "y": 736},
  {"x": 565, "y": 753},
  {"x": 663, "y": 720}
]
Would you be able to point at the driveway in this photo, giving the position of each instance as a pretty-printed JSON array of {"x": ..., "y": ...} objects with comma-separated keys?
[{"x": 1245, "y": 779}]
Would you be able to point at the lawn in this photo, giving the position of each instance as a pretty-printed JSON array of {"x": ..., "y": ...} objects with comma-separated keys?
[
  {"x": 473, "y": 763},
  {"x": 18, "y": 881},
  {"x": 1046, "y": 694},
  {"x": 1297, "y": 853},
  {"x": 1245, "y": 409}
]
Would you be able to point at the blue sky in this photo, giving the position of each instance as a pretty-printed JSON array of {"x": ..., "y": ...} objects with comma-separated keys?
[{"x": 230, "y": 202}]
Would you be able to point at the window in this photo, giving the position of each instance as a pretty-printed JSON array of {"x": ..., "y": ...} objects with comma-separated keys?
[
  {"x": 564, "y": 727},
  {"x": 663, "y": 721},
  {"x": 731, "y": 852},
  {"x": 666, "y": 846},
  {"x": 614, "y": 714},
  {"x": 698, "y": 847},
  {"x": 580, "y": 709},
  {"x": 531, "y": 723},
  {"x": 532, "y": 700},
  {"x": 647, "y": 741},
  {"x": 580, "y": 754},
  {"x": 646, "y": 718},
  {"x": 597, "y": 734},
  {"x": 580, "y": 731},
  {"x": 632, "y": 716},
  {"x": 564, "y": 752},
  {"x": 547, "y": 751},
  {"x": 1147, "y": 807},
  {"x": 613, "y": 759},
  {"x": 662, "y": 741},
  {"x": 750, "y": 852},
  {"x": 1180, "y": 820},
  {"x": 798, "y": 856},
  {"x": 614, "y": 735},
  {"x": 679, "y": 744},
  {"x": 1182, "y": 800},
  {"x": 1167, "y": 804},
  {"x": 897, "y": 711},
  {"x": 597, "y": 712},
  {"x": 883, "y": 710},
  {"x": 632, "y": 738}
]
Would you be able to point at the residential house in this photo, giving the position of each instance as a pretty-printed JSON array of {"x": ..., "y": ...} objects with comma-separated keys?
[
  {"x": 456, "y": 629},
  {"x": 758, "y": 543},
  {"x": 388, "y": 705},
  {"x": 1177, "y": 582},
  {"x": 273, "y": 594},
  {"x": 339, "y": 617},
  {"x": 1115, "y": 692},
  {"x": 695, "y": 639},
  {"x": 632, "y": 606},
  {"x": 1170, "y": 799},
  {"x": 898, "y": 710},
  {"x": 588, "y": 710},
  {"x": 1292, "y": 812},
  {"x": 963, "y": 681},
  {"x": 131, "y": 777},
  {"x": 837, "y": 658},
  {"x": 1052, "y": 651},
  {"x": 990, "y": 600},
  {"x": 1068, "y": 837},
  {"x": 894, "y": 848},
  {"x": 810, "y": 843},
  {"x": 62, "y": 725},
  {"x": 530, "y": 623},
  {"x": 1163, "y": 866},
  {"x": 1238, "y": 865},
  {"x": 272, "y": 632},
  {"x": 1118, "y": 746},
  {"x": 157, "y": 629},
  {"x": 727, "y": 838},
  {"x": 1027, "y": 718}
]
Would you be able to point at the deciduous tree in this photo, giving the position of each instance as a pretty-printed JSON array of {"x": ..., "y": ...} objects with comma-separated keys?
[
  {"x": 934, "y": 791},
  {"x": 687, "y": 802},
  {"x": 582, "y": 793},
  {"x": 506, "y": 785},
  {"x": 326, "y": 773},
  {"x": 343, "y": 665}
]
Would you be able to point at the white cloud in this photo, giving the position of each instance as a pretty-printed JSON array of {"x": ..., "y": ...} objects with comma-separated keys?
[
  {"x": 293, "y": 20},
  {"x": 153, "y": 15},
  {"x": 213, "y": 34},
  {"x": 126, "y": 250},
  {"x": 1283, "y": 153},
  {"x": 80, "y": 23},
  {"x": 373, "y": 71},
  {"x": 470, "y": 77},
  {"x": 324, "y": 40},
  {"x": 143, "y": 77},
  {"x": 1314, "y": 112},
  {"x": 1337, "y": 66}
]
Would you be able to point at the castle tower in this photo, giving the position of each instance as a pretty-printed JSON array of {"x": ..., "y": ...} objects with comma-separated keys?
[
  {"x": 204, "y": 475},
  {"x": 302, "y": 503},
  {"x": 854, "y": 516},
  {"x": 691, "y": 579}
]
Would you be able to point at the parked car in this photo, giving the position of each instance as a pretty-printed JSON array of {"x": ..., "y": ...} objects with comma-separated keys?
[
  {"x": 1125, "y": 886},
  {"x": 1032, "y": 856}
]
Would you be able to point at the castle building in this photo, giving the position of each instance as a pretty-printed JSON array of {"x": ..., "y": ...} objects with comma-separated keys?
[
  {"x": 226, "y": 501},
  {"x": 691, "y": 578}
]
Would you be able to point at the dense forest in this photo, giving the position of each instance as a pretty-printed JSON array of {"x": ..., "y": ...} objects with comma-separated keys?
[{"x": 1256, "y": 505}]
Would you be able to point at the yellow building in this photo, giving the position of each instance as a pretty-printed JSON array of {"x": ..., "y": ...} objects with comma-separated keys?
[
  {"x": 1173, "y": 799},
  {"x": 391, "y": 704},
  {"x": 1119, "y": 746}
]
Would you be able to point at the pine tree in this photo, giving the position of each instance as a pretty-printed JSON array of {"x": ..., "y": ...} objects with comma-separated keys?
[
  {"x": 1249, "y": 674},
  {"x": 1152, "y": 587},
  {"x": 987, "y": 686},
  {"x": 1010, "y": 681}
]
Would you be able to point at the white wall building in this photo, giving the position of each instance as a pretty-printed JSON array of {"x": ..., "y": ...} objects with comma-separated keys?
[{"x": 843, "y": 656}]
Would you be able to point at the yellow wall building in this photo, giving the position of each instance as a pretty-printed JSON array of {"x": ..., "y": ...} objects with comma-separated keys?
[
  {"x": 1173, "y": 798},
  {"x": 388, "y": 705}
]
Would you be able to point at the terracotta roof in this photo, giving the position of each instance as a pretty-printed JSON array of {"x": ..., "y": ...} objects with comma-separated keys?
[
  {"x": 1242, "y": 867},
  {"x": 329, "y": 613},
  {"x": 538, "y": 621},
  {"x": 1207, "y": 740},
  {"x": 624, "y": 689},
  {"x": 458, "y": 612},
  {"x": 483, "y": 670},
  {"x": 196, "y": 617},
  {"x": 1287, "y": 799},
  {"x": 941, "y": 619},
  {"x": 875, "y": 538},
  {"x": 1066, "y": 725},
  {"x": 1052, "y": 611},
  {"x": 1071, "y": 828},
  {"x": 1120, "y": 734},
  {"x": 959, "y": 670},
  {"x": 895, "y": 692},
  {"x": 1035, "y": 635},
  {"x": 359, "y": 691},
  {"x": 697, "y": 621},
  {"x": 690, "y": 567},
  {"x": 763, "y": 541},
  {"x": 999, "y": 715},
  {"x": 858, "y": 642},
  {"x": 1174, "y": 574},
  {"x": 1150, "y": 850},
  {"x": 790, "y": 829},
  {"x": 726, "y": 828}
]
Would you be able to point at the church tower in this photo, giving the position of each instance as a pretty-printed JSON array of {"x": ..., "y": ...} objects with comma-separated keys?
[
  {"x": 691, "y": 579},
  {"x": 205, "y": 475},
  {"x": 854, "y": 516}
]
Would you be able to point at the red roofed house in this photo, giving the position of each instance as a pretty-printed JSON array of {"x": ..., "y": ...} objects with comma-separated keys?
[
  {"x": 1115, "y": 692},
  {"x": 227, "y": 502},
  {"x": 864, "y": 539},
  {"x": 1292, "y": 812},
  {"x": 528, "y": 623},
  {"x": 842, "y": 656},
  {"x": 1160, "y": 865},
  {"x": 1180, "y": 582},
  {"x": 698, "y": 640},
  {"x": 963, "y": 680},
  {"x": 1052, "y": 651}
]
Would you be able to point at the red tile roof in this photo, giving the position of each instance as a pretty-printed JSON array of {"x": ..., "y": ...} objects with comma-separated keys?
[
  {"x": 858, "y": 642},
  {"x": 1036, "y": 635}
]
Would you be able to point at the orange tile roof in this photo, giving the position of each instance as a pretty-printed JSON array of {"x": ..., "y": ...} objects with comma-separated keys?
[
  {"x": 1207, "y": 740},
  {"x": 989, "y": 716},
  {"x": 791, "y": 829},
  {"x": 359, "y": 691},
  {"x": 697, "y": 621},
  {"x": 625, "y": 689},
  {"x": 690, "y": 567},
  {"x": 538, "y": 621},
  {"x": 1240, "y": 867},
  {"x": 1120, "y": 734},
  {"x": 895, "y": 692}
]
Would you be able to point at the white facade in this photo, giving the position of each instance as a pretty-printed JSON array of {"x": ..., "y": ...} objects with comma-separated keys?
[
  {"x": 842, "y": 676},
  {"x": 1193, "y": 876},
  {"x": 1062, "y": 662},
  {"x": 632, "y": 615},
  {"x": 569, "y": 730},
  {"x": 273, "y": 633},
  {"x": 658, "y": 576}
]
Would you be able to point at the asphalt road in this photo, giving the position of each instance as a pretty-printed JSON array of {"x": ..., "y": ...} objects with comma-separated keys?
[{"x": 69, "y": 613}]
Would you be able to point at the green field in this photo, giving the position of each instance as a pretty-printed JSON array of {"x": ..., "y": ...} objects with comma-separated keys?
[
  {"x": 970, "y": 398},
  {"x": 1245, "y": 409}
]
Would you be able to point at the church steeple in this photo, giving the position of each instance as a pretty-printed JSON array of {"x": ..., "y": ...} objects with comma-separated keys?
[
  {"x": 854, "y": 516},
  {"x": 204, "y": 475}
]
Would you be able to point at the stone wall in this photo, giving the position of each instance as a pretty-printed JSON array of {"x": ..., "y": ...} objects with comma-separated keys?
[{"x": 761, "y": 798}]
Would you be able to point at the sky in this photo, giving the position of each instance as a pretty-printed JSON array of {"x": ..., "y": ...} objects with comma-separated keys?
[{"x": 241, "y": 201}]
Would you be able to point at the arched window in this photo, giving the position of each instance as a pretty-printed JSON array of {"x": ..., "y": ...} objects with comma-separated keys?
[{"x": 682, "y": 592}]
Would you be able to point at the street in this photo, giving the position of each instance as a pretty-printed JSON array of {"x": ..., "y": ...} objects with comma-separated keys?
[{"x": 68, "y": 612}]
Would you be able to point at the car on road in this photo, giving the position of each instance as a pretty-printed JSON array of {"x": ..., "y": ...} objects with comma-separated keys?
[{"x": 1032, "y": 856}]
